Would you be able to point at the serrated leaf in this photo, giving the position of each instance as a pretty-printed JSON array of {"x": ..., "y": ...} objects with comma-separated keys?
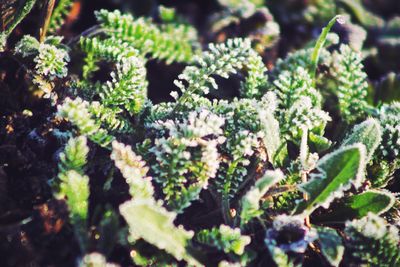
[
  {"x": 251, "y": 200},
  {"x": 150, "y": 221},
  {"x": 358, "y": 206},
  {"x": 338, "y": 171},
  {"x": 331, "y": 245},
  {"x": 367, "y": 133}
]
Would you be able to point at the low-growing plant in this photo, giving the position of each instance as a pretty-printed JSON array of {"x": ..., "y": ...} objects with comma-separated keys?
[{"x": 285, "y": 165}]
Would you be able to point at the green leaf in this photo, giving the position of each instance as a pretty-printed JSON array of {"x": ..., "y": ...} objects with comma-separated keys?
[
  {"x": 320, "y": 44},
  {"x": 150, "y": 221},
  {"x": 19, "y": 15},
  {"x": 251, "y": 200},
  {"x": 307, "y": 159},
  {"x": 388, "y": 88},
  {"x": 358, "y": 206},
  {"x": 272, "y": 139},
  {"x": 338, "y": 171},
  {"x": 224, "y": 238},
  {"x": 75, "y": 188},
  {"x": 318, "y": 142},
  {"x": 367, "y": 133},
  {"x": 27, "y": 46},
  {"x": 361, "y": 14},
  {"x": 331, "y": 245}
]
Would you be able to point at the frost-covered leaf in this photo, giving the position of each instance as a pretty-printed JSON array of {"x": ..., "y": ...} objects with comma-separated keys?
[
  {"x": 95, "y": 259},
  {"x": 281, "y": 259},
  {"x": 318, "y": 142},
  {"x": 127, "y": 87},
  {"x": 170, "y": 42},
  {"x": 221, "y": 59},
  {"x": 352, "y": 85},
  {"x": 150, "y": 221},
  {"x": 307, "y": 159},
  {"x": 358, "y": 206},
  {"x": 338, "y": 171},
  {"x": 224, "y": 238},
  {"x": 75, "y": 188},
  {"x": 270, "y": 126},
  {"x": 133, "y": 169},
  {"x": 251, "y": 200},
  {"x": 77, "y": 112},
  {"x": 331, "y": 245},
  {"x": 14, "y": 19},
  {"x": 373, "y": 241},
  {"x": 320, "y": 43},
  {"x": 74, "y": 156},
  {"x": 27, "y": 46},
  {"x": 367, "y": 133}
]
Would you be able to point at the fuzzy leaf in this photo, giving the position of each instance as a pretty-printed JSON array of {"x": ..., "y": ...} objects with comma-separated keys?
[
  {"x": 251, "y": 201},
  {"x": 272, "y": 138},
  {"x": 358, "y": 206},
  {"x": 27, "y": 46},
  {"x": 372, "y": 241},
  {"x": 74, "y": 156},
  {"x": 337, "y": 172},
  {"x": 133, "y": 169},
  {"x": 367, "y": 133},
  {"x": 320, "y": 44},
  {"x": 331, "y": 245},
  {"x": 318, "y": 142},
  {"x": 224, "y": 238},
  {"x": 75, "y": 187},
  {"x": 22, "y": 11},
  {"x": 153, "y": 223}
]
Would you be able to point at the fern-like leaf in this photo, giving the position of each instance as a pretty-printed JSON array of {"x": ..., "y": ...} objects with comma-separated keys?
[
  {"x": 76, "y": 111},
  {"x": 133, "y": 169},
  {"x": 352, "y": 87},
  {"x": 168, "y": 42},
  {"x": 224, "y": 238},
  {"x": 373, "y": 242}
]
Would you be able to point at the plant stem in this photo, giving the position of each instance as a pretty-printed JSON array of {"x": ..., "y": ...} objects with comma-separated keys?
[
  {"x": 49, "y": 12},
  {"x": 320, "y": 43},
  {"x": 305, "y": 197},
  {"x": 225, "y": 208}
]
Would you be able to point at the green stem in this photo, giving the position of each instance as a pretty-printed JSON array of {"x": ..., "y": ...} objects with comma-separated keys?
[
  {"x": 19, "y": 16},
  {"x": 46, "y": 22},
  {"x": 320, "y": 43},
  {"x": 225, "y": 205},
  {"x": 226, "y": 208}
]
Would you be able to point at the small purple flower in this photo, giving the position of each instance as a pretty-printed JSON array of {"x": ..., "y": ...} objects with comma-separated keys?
[{"x": 289, "y": 234}]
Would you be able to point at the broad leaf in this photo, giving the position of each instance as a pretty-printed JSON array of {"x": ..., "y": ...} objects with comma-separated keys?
[
  {"x": 367, "y": 133},
  {"x": 331, "y": 245},
  {"x": 150, "y": 221},
  {"x": 358, "y": 206},
  {"x": 318, "y": 143},
  {"x": 338, "y": 171},
  {"x": 251, "y": 200},
  {"x": 19, "y": 10}
]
